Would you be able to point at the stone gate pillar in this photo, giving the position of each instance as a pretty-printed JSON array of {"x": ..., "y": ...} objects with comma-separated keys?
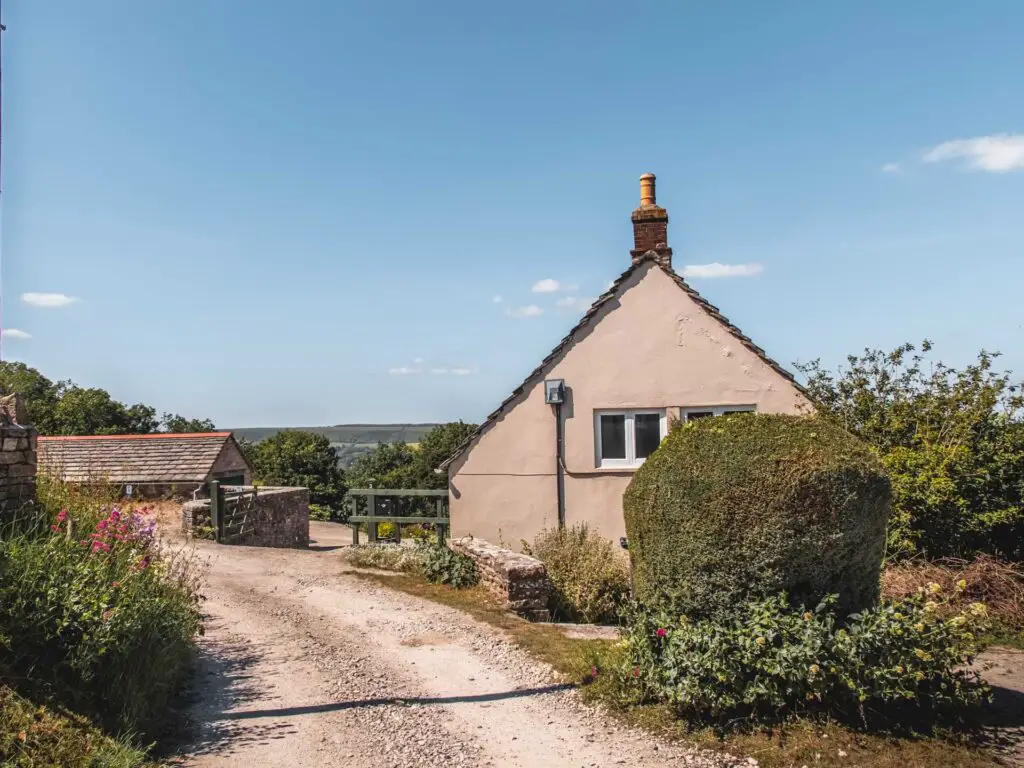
[{"x": 17, "y": 457}]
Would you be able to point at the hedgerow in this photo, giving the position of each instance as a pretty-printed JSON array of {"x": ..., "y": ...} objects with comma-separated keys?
[{"x": 749, "y": 505}]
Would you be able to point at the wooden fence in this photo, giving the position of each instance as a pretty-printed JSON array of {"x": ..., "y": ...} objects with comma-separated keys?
[
  {"x": 382, "y": 503},
  {"x": 232, "y": 513}
]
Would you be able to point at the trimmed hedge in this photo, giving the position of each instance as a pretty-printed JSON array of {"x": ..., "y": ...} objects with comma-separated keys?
[{"x": 751, "y": 505}]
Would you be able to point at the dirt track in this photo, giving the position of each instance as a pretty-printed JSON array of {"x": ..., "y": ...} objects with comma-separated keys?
[{"x": 307, "y": 666}]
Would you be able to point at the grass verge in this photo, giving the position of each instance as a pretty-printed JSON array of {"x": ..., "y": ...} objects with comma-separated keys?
[
  {"x": 32, "y": 736},
  {"x": 790, "y": 745}
]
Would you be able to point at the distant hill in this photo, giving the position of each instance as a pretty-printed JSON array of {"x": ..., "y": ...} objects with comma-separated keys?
[{"x": 350, "y": 440}]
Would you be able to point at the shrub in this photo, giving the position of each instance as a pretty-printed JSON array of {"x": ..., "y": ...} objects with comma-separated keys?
[
  {"x": 388, "y": 557},
  {"x": 442, "y": 565},
  {"x": 319, "y": 512},
  {"x": 101, "y": 621},
  {"x": 769, "y": 659},
  {"x": 590, "y": 578},
  {"x": 999, "y": 585},
  {"x": 386, "y": 530},
  {"x": 753, "y": 505}
]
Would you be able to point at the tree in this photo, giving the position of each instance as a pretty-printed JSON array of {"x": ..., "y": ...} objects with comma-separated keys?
[
  {"x": 39, "y": 394},
  {"x": 64, "y": 408},
  {"x": 173, "y": 422},
  {"x": 399, "y": 465},
  {"x": 298, "y": 458},
  {"x": 951, "y": 439}
]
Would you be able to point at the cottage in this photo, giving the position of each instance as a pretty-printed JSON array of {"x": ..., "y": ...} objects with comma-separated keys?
[
  {"x": 153, "y": 465},
  {"x": 564, "y": 445}
]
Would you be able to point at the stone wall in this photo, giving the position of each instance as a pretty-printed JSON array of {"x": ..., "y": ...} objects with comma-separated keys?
[
  {"x": 279, "y": 517},
  {"x": 519, "y": 580},
  {"x": 17, "y": 457}
]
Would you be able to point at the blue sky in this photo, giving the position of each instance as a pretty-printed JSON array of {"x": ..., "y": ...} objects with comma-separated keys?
[{"x": 292, "y": 213}]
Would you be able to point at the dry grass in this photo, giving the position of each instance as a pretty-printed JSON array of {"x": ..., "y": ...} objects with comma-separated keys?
[
  {"x": 788, "y": 746},
  {"x": 999, "y": 585}
]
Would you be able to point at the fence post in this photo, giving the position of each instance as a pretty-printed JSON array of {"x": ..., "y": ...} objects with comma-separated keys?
[
  {"x": 215, "y": 510},
  {"x": 441, "y": 529}
]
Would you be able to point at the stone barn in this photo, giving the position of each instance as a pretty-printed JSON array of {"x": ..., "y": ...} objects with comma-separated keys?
[{"x": 150, "y": 466}]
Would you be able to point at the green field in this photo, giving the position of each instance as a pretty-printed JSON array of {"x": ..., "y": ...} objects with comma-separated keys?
[{"x": 350, "y": 440}]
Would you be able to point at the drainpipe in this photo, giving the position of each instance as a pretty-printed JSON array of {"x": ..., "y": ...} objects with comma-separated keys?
[{"x": 560, "y": 463}]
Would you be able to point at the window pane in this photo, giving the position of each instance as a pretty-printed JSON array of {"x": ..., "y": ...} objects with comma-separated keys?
[
  {"x": 613, "y": 437},
  {"x": 648, "y": 433},
  {"x": 699, "y": 415}
]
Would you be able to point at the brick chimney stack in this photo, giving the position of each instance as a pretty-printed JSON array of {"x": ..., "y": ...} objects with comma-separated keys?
[{"x": 650, "y": 225}]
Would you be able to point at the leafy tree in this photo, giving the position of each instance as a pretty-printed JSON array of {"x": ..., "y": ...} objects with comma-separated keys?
[
  {"x": 295, "y": 457},
  {"x": 399, "y": 465},
  {"x": 173, "y": 422},
  {"x": 951, "y": 439},
  {"x": 64, "y": 408},
  {"x": 39, "y": 393}
]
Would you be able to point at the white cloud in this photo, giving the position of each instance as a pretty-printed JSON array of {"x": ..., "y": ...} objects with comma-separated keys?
[
  {"x": 14, "y": 333},
  {"x": 439, "y": 371},
  {"x": 530, "y": 310},
  {"x": 998, "y": 153},
  {"x": 891, "y": 168},
  {"x": 48, "y": 299},
  {"x": 722, "y": 270},
  {"x": 463, "y": 371},
  {"x": 405, "y": 371},
  {"x": 546, "y": 285},
  {"x": 574, "y": 302},
  {"x": 497, "y": 299}
]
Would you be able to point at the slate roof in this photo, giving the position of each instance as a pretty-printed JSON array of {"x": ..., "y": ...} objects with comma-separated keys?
[
  {"x": 157, "y": 458},
  {"x": 588, "y": 319}
]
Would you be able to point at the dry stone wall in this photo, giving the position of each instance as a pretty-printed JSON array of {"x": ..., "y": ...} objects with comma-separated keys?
[
  {"x": 279, "y": 518},
  {"x": 519, "y": 580}
]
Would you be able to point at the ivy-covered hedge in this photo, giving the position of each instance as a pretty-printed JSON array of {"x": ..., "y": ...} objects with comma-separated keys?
[{"x": 747, "y": 505}]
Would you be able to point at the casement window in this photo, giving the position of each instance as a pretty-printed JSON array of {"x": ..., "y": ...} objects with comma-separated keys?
[
  {"x": 705, "y": 411},
  {"x": 626, "y": 438}
]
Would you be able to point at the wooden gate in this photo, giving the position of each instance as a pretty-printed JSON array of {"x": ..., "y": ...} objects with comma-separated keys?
[
  {"x": 232, "y": 512},
  {"x": 382, "y": 504}
]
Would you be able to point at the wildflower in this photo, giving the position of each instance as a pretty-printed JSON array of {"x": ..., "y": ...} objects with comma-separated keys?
[
  {"x": 143, "y": 563},
  {"x": 919, "y": 676},
  {"x": 62, "y": 516},
  {"x": 962, "y": 584},
  {"x": 115, "y": 583},
  {"x": 900, "y": 670},
  {"x": 808, "y": 616},
  {"x": 897, "y": 615},
  {"x": 760, "y": 641},
  {"x": 22, "y": 736},
  {"x": 661, "y": 632},
  {"x": 55, "y": 528},
  {"x": 934, "y": 588},
  {"x": 919, "y": 627},
  {"x": 922, "y": 655},
  {"x": 814, "y": 669},
  {"x": 636, "y": 671},
  {"x": 593, "y": 671},
  {"x": 107, "y": 614},
  {"x": 977, "y": 609},
  {"x": 930, "y": 606}
]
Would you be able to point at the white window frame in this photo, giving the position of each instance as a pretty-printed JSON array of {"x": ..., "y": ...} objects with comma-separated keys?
[
  {"x": 631, "y": 461},
  {"x": 716, "y": 410}
]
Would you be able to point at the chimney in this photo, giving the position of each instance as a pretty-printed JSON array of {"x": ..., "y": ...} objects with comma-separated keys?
[{"x": 650, "y": 225}]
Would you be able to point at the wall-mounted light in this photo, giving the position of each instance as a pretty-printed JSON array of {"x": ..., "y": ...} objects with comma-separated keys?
[{"x": 554, "y": 391}]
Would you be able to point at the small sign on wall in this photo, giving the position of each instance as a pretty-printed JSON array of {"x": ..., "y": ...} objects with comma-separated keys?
[{"x": 128, "y": 490}]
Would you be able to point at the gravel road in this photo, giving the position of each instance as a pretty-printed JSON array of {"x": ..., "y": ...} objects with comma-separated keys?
[{"x": 304, "y": 665}]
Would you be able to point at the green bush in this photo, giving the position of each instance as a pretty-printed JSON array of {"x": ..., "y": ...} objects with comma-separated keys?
[
  {"x": 386, "y": 530},
  {"x": 442, "y": 565},
  {"x": 590, "y": 578},
  {"x": 891, "y": 662},
  {"x": 753, "y": 505},
  {"x": 319, "y": 512},
  {"x": 97, "y": 618}
]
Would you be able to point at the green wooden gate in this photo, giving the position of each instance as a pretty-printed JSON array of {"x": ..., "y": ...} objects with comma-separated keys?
[{"x": 381, "y": 504}]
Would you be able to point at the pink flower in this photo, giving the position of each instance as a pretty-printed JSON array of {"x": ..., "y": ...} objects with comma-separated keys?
[
  {"x": 593, "y": 671},
  {"x": 107, "y": 614},
  {"x": 62, "y": 516},
  {"x": 55, "y": 528},
  {"x": 636, "y": 671},
  {"x": 115, "y": 583},
  {"x": 661, "y": 632}
]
